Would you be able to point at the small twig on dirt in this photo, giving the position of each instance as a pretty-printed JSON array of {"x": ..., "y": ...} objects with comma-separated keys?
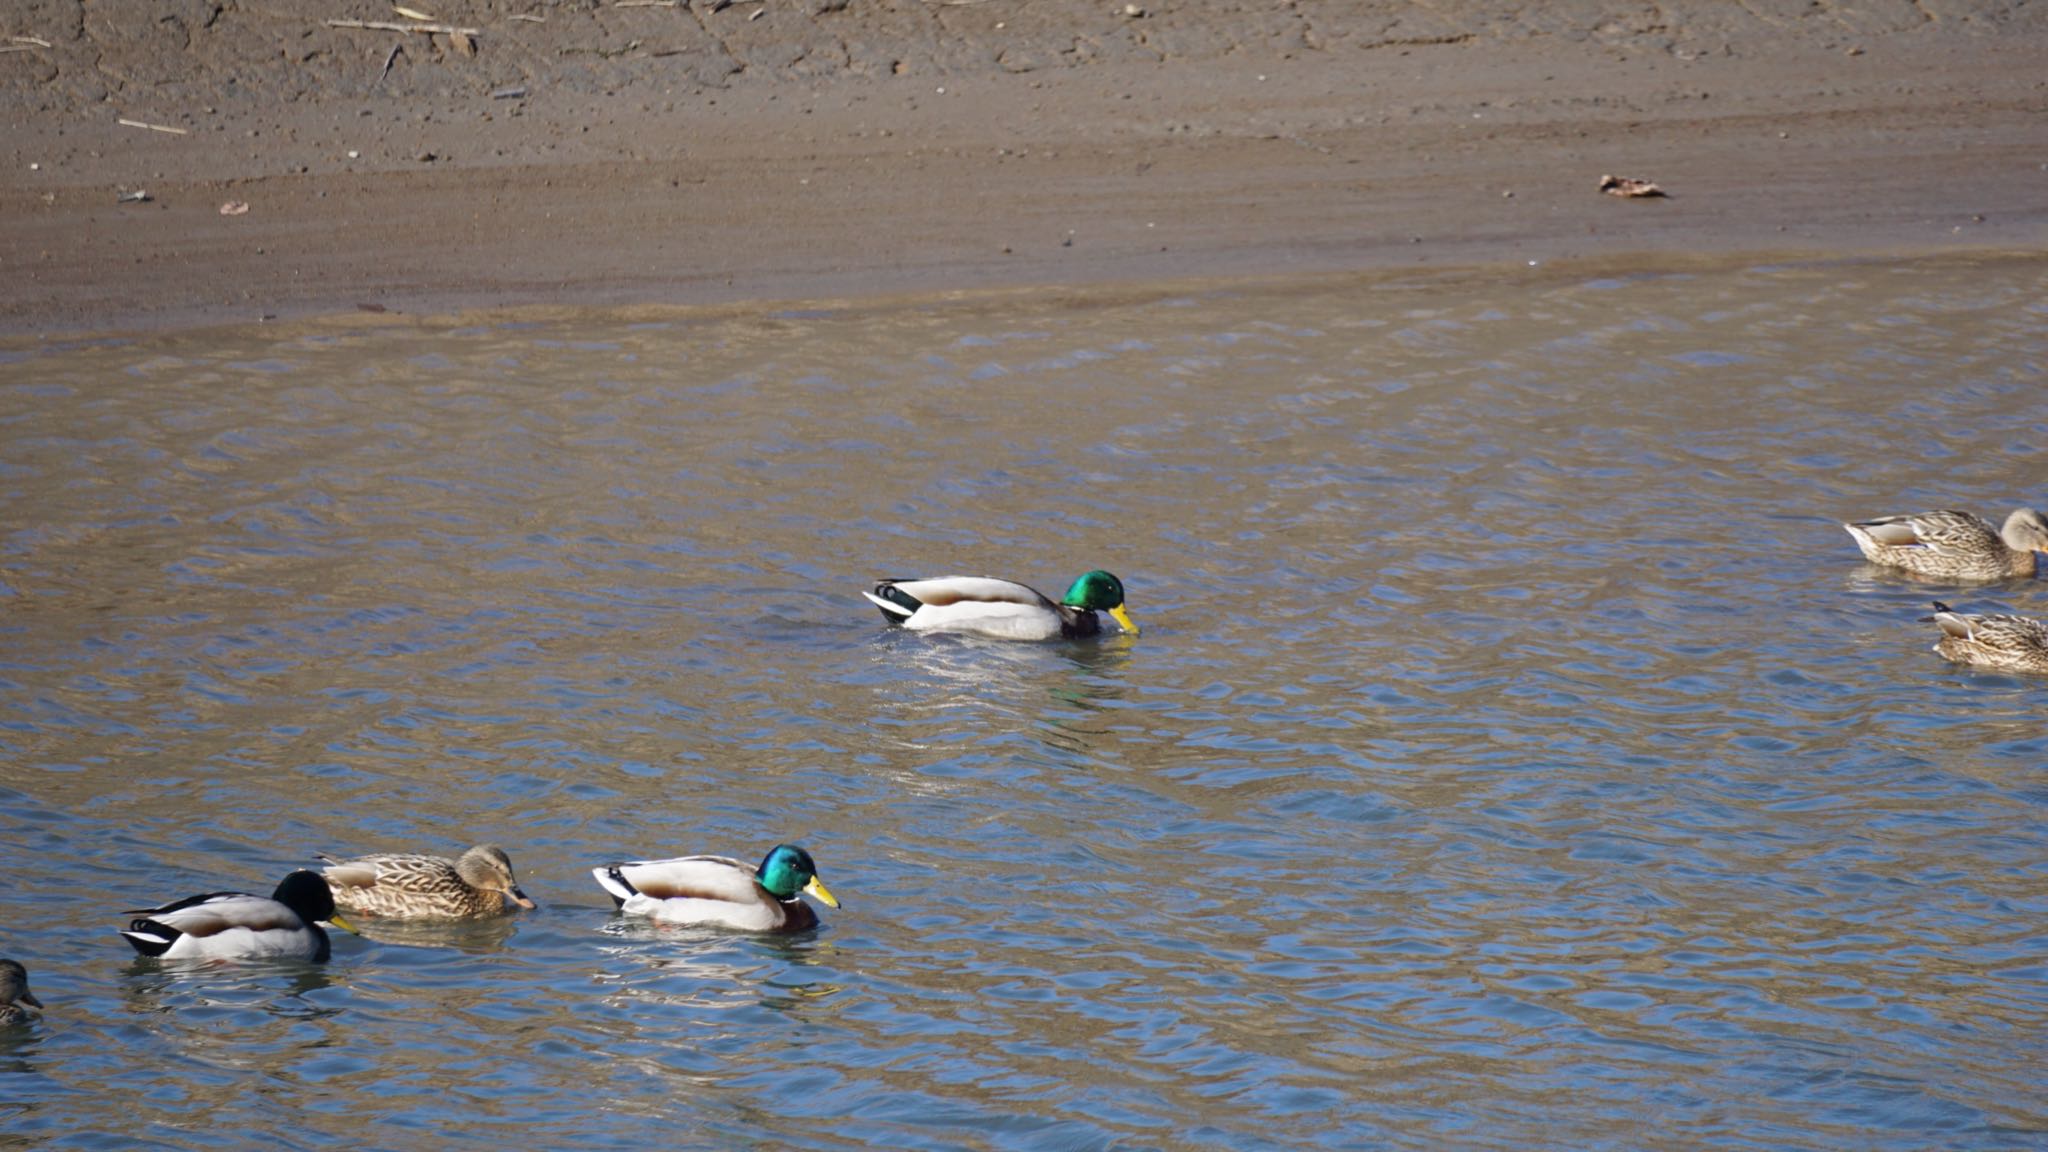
[
  {"x": 643, "y": 3},
  {"x": 38, "y": 41},
  {"x": 152, "y": 127},
  {"x": 529, "y": 19},
  {"x": 388, "y": 26},
  {"x": 388, "y": 60},
  {"x": 17, "y": 48}
]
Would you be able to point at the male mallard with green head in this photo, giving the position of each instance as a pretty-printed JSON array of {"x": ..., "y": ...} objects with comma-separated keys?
[
  {"x": 720, "y": 892},
  {"x": 1002, "y": 609}
]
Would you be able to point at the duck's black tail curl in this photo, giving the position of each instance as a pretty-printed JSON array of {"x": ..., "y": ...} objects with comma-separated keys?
[{"x": 896, "y": 605}]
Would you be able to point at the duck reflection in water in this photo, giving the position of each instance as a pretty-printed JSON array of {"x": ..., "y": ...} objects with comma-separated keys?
[{"x": 664, "y": 964}]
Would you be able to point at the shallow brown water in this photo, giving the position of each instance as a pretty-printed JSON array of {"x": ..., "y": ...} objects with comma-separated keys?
[{"x": 1516, "y": 754}]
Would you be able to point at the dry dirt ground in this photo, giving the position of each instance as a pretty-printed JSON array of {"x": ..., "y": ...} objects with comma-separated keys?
[{"x": 577, "y": 151}]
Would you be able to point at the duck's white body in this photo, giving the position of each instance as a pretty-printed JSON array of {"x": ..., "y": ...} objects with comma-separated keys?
[
  {"x": 715, "y": 891},
  {"x": 226, "y": 926},
  {"x": 984, "y": 606},
  {"x": 979, "y": 604}
]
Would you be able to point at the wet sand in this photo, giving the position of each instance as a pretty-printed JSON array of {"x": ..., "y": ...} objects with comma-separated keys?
[{"x": 667, "y": 154}]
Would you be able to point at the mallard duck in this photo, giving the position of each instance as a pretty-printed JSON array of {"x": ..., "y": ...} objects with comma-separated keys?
[
  {"x": 1630, "y": 187},
  {"x": 1004, "y": 609},
  {"x": 239, "y": 926},
  {"x": 718, "y": 891},
  {"x": 406, "y": 884},
  {"x": 1954, "y": 545},
  {"x": 14, "y": 993},
  {"x": 2018, "y": 643}
]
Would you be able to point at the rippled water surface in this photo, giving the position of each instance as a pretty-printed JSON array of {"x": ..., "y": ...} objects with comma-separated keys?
[{"x": 1516, "y": 754}]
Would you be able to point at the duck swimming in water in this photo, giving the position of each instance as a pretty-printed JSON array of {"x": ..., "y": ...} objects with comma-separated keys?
[
  {"x": 14, "y": 994},
  {"x": 414, "y": 886},
  {"x": 1002, "y": 609},
  {"x": 1954, "y": 545},
  {"x": 720, "y": 892},
  {"x": 1996, "y": 640},
  {"x": 239, "y": 926}
]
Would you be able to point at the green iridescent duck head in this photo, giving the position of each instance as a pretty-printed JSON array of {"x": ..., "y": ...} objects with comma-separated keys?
[
  {"x": 1100, "y": 591},
  {"x": 788, "y": 870}
]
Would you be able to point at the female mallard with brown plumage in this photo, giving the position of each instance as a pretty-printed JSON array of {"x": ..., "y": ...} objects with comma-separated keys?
[
  {"x": 413, "y": 886},
  {"x": 1954, "y": 545},
  {"x": 1002, "y": 609},
  {"x": 1994, "y": 640}
]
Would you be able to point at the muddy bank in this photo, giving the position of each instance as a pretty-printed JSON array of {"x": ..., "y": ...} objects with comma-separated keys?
[{"x": 643, "y": 152}]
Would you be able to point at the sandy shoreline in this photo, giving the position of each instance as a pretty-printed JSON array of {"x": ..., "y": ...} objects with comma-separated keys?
[{"x": 685, "y": 156}]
